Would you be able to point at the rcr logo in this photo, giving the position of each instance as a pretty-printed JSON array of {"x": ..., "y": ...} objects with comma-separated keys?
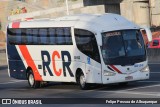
[{"x": 57, "y": 71}]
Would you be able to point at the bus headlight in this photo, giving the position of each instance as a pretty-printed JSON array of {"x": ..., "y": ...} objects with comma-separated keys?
[
  {"x": 145, "y": 69},
  {"x": 108, "y": 73}
]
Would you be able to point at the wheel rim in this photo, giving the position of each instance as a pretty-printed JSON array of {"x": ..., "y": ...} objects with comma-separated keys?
[
  {"x": 82, "y": 80},
  {"x": 31, "y": 79}
]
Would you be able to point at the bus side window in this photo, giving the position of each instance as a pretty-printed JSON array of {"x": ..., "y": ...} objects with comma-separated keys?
[
  {"x": 29, "y": 36},
  {"x": 18, "y": 36},
  {"x": 35, "y": 36},
  {"x": 60, "y": 36},
  {"x": 14, "y": 36},
  {"x": 67, "y": 34},
  {"x": 52, "y": 36},
  {"x": 11, "y": 36},
  {"x": 24, "y": 37},
  {"x": 87, "y": 44},
  {"x": 43, "y": 36}
]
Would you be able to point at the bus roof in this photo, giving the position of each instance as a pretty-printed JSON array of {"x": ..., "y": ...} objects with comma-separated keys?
[{"x": 96, "y": 23}]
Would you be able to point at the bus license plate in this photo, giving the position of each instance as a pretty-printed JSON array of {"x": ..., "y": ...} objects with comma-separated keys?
[{"x": 129, "y": 78}]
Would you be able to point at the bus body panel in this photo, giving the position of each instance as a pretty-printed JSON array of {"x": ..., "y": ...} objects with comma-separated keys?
[
  {"x": 90, "y": 68},
  {"x": 126, "y": 77},
  {"x": 93, "y": 73},
  {"x": 126, "y": 73},
  {"x": 16, "y": 66}
]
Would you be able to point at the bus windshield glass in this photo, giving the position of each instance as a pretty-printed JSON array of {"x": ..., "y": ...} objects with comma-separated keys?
[{"x": 123, "y": 47}]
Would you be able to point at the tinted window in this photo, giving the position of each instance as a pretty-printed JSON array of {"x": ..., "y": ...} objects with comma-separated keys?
[
  {"x": 155, "y": 43},
  {"x": 123, "y": 47},
  {"x": 67, "y": 35},
  {"x": 43, "y": 36},
  {"x": 40, "y": 36},
  {"x": 29, "y": 36},
  {"x": 23, "y": 36},
  {"x": 18, "y": 36},
  {"x": 60, "y": 36},
  {"x": 35, "y": 36},
  {"x": 63, "y": 36},
  {"x": 52, "y": 36},
  {"x": 14, "y": 36},
  {"x": 87, "y": 44},
  {"x": 11, "y": 36}
]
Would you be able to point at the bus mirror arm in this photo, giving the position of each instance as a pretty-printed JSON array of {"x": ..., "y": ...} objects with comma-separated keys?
[{"x": 148, "y": 33}]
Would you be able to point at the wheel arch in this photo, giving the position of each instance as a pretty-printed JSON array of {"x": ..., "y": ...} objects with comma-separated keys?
[
  {"x": 28, "y": 70},
  {"x": 78, "y": 72}
]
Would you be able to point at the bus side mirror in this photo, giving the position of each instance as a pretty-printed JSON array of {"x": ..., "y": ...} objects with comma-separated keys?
[{"x": 147, "y": 32}]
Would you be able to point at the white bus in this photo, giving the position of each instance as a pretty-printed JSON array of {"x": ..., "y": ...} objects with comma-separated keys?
[{"x": 84, "y": 49}]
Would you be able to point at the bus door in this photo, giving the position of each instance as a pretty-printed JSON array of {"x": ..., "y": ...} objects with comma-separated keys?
[{"x": 87, "y": 44}]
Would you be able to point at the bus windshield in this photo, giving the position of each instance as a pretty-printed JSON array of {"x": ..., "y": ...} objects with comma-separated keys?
[{"x": 123, "y": 47}]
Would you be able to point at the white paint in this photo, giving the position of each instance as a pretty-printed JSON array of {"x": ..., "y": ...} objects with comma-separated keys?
[
  {"x": 135, "y": 93},
  {"x": 11, "y": 82},
  {"x": 153, "y": 63},
  {"x": 154, "y": 72},
  {"x": 141, "y": 87},
  {"x": 150, "y": 81}
]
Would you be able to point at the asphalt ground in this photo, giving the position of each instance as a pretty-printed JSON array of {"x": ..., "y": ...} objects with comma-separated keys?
[{"x": 12, "y": 88}]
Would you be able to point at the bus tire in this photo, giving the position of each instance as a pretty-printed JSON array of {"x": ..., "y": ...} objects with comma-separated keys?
[
  {"x": 31, "y": 80},
  {"x": 82, "y": 83}
]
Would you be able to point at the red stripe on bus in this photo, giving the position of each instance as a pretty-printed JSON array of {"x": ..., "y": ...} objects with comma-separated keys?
[
  {"x": 116, "y": 69},
  {"x": 15, "y": 24},
  {"x": 30, "y": 62}
]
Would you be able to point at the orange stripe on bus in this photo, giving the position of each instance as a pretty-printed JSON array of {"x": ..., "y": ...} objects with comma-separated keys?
[
  {"x": 30, "y": 62},
  {"x": 15, "y": 24}
]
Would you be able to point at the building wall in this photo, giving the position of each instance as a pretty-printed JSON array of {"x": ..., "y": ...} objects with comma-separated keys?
[
  {"x": 137, "y": 12},
  {"x": 40, "y": 5},
  {"x": 52, "y": 3},
  {"x": 3, "y": 19},
  {"x": 142, "y": 12},
  {"x": 134, "y": 10},
  {"x": 155, "y": 11},
  {"x": 3, "y": 13}
]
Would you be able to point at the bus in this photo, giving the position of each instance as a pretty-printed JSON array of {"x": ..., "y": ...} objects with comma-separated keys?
[{"x": 85, "y": 49}]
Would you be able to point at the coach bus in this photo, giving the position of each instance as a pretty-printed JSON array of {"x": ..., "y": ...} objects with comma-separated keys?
[{"x": 84, "y": 48}]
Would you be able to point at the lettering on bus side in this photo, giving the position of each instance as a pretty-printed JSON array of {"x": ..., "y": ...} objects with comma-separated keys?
[{"x": 46, "y": 61}]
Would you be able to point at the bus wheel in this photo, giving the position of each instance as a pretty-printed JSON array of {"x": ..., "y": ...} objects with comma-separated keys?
[
  {"x": 31, "y": 81},
  {"x": 82, "y": 83}
]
